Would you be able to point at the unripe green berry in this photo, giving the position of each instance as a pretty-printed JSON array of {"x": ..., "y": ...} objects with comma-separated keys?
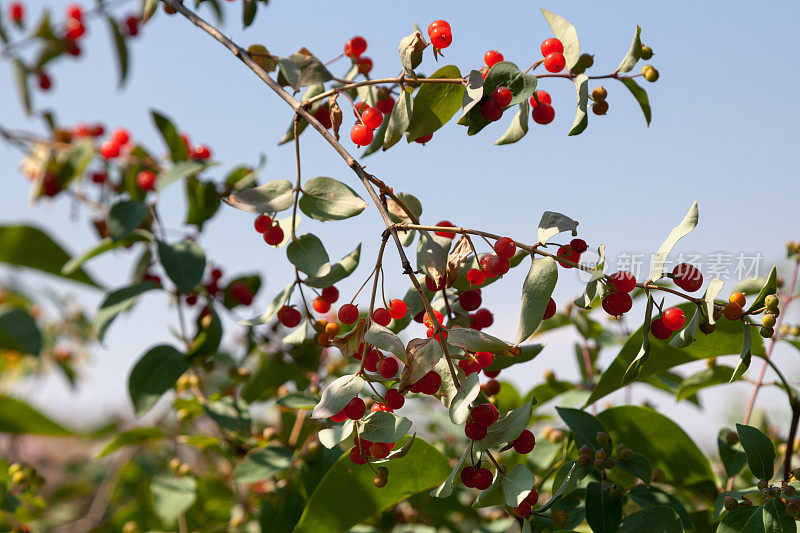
[
  {"x": 768, "y": 321},
  {"x": 381, "y": 477},
  {"x": 185, "y": 469},
  {"x": 600, "y": 108},
  {"x": 549, "y": 376},
  {"x": 788, "y": 490},
  {"x": 559, "y": 518},
  {"x": 599, "y": 94},
  {"x": 599, "y": 464},
  {"x": 731, "y": 503},
  {"x": 610, "y": 463},
  {"x": 602, "y": 438},
  {"x": 651, "y": 75},
  {"x": 771, "y": 301},
  {"x": 585, "y": 450},
  {"x": 584, "y": 460},
  {"x": 601, "y": 454},
  {"x": 767, "y": 333},
  {"x": 586, "y": 60},
  {"x": 18, "y": 477},
  {"x": 762, "y": 484},
  {"x": 625, "y": 455},
  {"x": 16, "y": 467},
  {"x": 646, "y": 53},
  {"x": 794, "y": 331}
]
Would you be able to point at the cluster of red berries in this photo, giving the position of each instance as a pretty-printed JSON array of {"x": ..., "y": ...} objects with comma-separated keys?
[
  {"x": 369, "y": 120},
  {"x": 376, "y": 362},
  {"x": 397, "y": 310},
  {"x": 572, "y": 251},
  {"x": 553, "y": 53},
  {"x": 200, "y": 152},
  {"x": 289, "y": 316},
  {"x": 118, "y": 143},
  {"x": 670, "y": 321},
  {"x": 619, "y": 301},
  {"x": 269, "y": 228},
  {"x": 83, "y": 130},
  {"x": 363, "y": 449},
  {"x": 481, "y": 417},
  {"x": 476, "y": 478},
  {"x": 428, "y": 384},
  {"x": 440, "y": 34},
  {"x": 476, "y": 362},
  {"x": 524, "y": 509},
  {"x": 493, "y": 106},
  {"x": 687, "y": 277},
  {"x": 354, "y": 48},
  {"x": 16, "y": 12},
  {"x": 542, "y": 111}
]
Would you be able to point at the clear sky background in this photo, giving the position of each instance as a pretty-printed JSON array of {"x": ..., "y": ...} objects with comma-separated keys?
[{"x": 723, "y": 132}]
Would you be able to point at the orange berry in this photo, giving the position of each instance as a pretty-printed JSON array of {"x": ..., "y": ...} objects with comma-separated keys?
[
  {"x": 737, "y": 298},
  {"x": 733, "y": 311}
]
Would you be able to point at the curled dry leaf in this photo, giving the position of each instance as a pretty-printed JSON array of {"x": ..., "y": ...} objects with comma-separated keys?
[
  {"x": 411, "y": 48},
  {"x": 348, "y": 343},
  {"x": 336, "y": 114},
  {"x": 421, "y": 357},
  {"x": 461, "y": 251}
]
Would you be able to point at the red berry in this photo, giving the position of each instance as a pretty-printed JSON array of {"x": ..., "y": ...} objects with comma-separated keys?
[
  {"x": 579, "y": 245},
  {"x": 445, "y": 224},
  {"x": 497, "y": 266},
  {"x": 364, "y": 65},
  {"x": 355, "y": 46},
  {"x": 394, "y": 399},
  {"x": 523, "y": 510},
  {"x": 623, "y": 281},
  {"x": 17, "y": 12},
  {"x": 482, "y": 479},
  {"x": 357, "y": 457},
  {"x": 50, "y": 185},
  {"x": 262, "y": 223},
  {"x": 323, "y": 116},
  {"x": 491, "y": 110},
  {"x": 381, "y": 316},
  {"x": 469, "y": 300},
  {"x": 492, "y": 57},
  {"x": 74, "y": 11},
  {"x": 355, "y": 409},
  {"x": 474, "y": 430},
  {"x": 687, "y": 277},
  {"x": 469, "y": 366},
  {"x": 388, "y": 367},
  {"x": 659, "y": 330},
  {"x": 201, "y": 152},
  {"x": 491, "y": 387},
  {"x": 380, "y": 407},
  {"x": 484, "y": 359},
  {"x": 439, "y": 318},
  {"x": 468, "y": 476},
  {"x": 673, "y": 319},
  {"x": 566, "y": 252},
  {"x": 216, "y": 274},
  {"x": 380, "y": 450},
  {"x": 97, "y": 130},
  {"x": 550, "y": 310},
  {"x": 341, "y": 416},
  {"x": 525, "y": 443},
  {"x": 475, "y": 276},
  {"x": 146, "y": 180},
  {"x": 430, "y": 383},
  {"x": 371, "y": 360},
  {"x": 505, "y": 247},
  {"x": 502, "y": 95},
  {"x": 484, "y": 414},
  {"x": 99, "y": 177},
  {"x": 320, "y": 305},
  {"x": 372, "y": 118},
  {"x": 543, "y": 113},
  {"x": 555, "y": 62},
  {"x": 132, "y": 25},
  {"x": 543, "y": 96},
  {"x": 424, "y": 139},
  {"x": 617, "y": 303},
  {"x": 483, "y": 318},
  {"x": 348, "y": 314},
  {"x": 44, "y": 81},
  {"x": 274, "y": 235},
  {"x": 289, "y": 316},
  {"x": 330, "y": 294},
  {"x": 441, "y": 37},
  {"x": 120, "y": 136},
  {"x": 532, "y": 498},
  {"x": 75, "y": 30},
  {"x": 385, "y": 105},
  {"x": 361, "y": 135},
  {"x": 491, "y": 374},
  {"x": 550, "y": 46},
  {"x": 241, "y": 293},
  {"x": 397, "y": 309},
  {"x": 438, "y": 24}
]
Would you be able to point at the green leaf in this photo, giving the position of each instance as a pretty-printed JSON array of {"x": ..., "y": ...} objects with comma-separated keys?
[
  {"x": 329, "y": 199},
  {"x": 380, "y": 337},
  {"x": 338, "y": 272},
  {"x": 132, "y": 436},
  {"x": 584, "y": 427},
  {"x": 203, "y": 201},
  {"x": 172, "y": 496},
  {"x": 383, "y": 426},
  {"x": 346, "y": 496},
  {"x": 298, "y": 400},
  {"x": 459, "y": 407},
  {"x": 567, "y": 34},
  {"x": 643, "y": 430},
  {"x": 549, "y": 390},
  {"x": 527, "y": 353},
  {"x": 272, "y": 309},
  {"x": 21, "y": 77},
  {"x": 117, "y": 302},
  {"x": 710, "y": 296},
  {"x": 399, "y": 120},
  {"x": 377, "y": 141},
  {"x": 19, "y": 418},
  {"x": 230, "y": 413},
  {"x": 726, "y": 340},
  {"x": 603, "y": 513},
  {"x": 507, "y": 74},
  {"x": 581, "y": 118},
  {"x": 74, "y": 162},
  {"x": 102, "y": 247},
  {"x": 476, "y": 341},
  {"x": 290, "y": 72},
  {"x": 508, "y": 427},
  {"x": 641, "y": 96},
  {"x": 312, "y": 71},
  {"x": 518, "y": 127},
  {"x": 659, "y": 519},
  {"x": 688, "y": 223},
  {"x": 446, "y": 488},
  {"x": 184, "y": 262},
  {"x": 647, "y": 496},
  {"x": 517, "y": 484},
  {"x": 263, "y": 464},
  {"x": 638, "y": 466},
  {"x": 776, "y": 519},
  {"x": 634, "y": 53},
  {"x": 330, "y": 437},
  {"x": 770, "y": 287},
  {"x": 745, "y": 519},
  {"x": 536, "y": 292},
  {"x": 121, "y": 49},
  {"x": 432, "y": 252},
  {"x": 272, "y": 197},
  {"x": 435, "y": 103},
  {"x": 733, "y": 457},
  {"x": 16, "y": 243},
  {"x": 337, "y": 395},
  {"x": 19, "y": 332},
  {"x": 746, "y": 355},
  {"x": 124, "y": 217},
  {"x": 171, "y": 136},
  {"x": 759, "y": 449},
  {"x": 567, "y": 484},
  {"x": 249, "y": 9},
  {"x": 177, "y": 172},
  {"x": 716, "y": 375},
  {"x": 308, "y": 254},
  {"x": 411, "y": 48},
  {"x": 154, "y": 374},
  {"x": 473, "y": 92},
  {"x": 552, "y": 224}
]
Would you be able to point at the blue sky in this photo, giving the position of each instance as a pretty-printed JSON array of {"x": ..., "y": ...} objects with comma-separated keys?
[{"x": 722, "y": 133}]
